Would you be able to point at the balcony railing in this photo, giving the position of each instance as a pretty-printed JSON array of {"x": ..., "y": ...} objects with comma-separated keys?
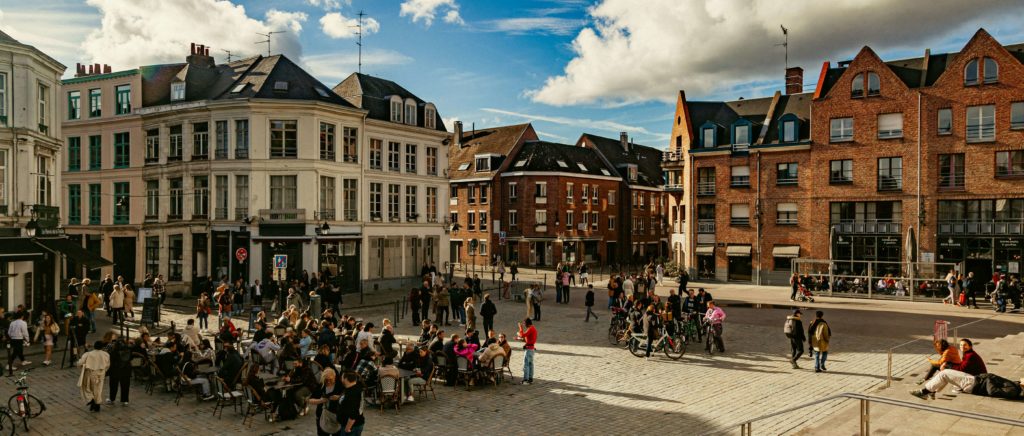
[
  {"x": 220, "y": 153},
  {"x": 890, "y": 183},
  {"x": 867, "y": 226},
  {"x": 783, "y": 181},
  {"x": 705, "y": 188},
  {"x": 1007, "y": 171},
  {"x": 283, "y": 214},
  {"x": 673, "y": 187},
  {"x": 241, "y": 153},
  {"x": 325, "y": 214},
  {"x": 220, "y": 213},
  {"x": 952, "y": 182},
  {"x": 671, "y": 156},
  {"x": 241, "y": 213},
  {"x": 739, "y": 181},
  {"x": 740, "y": 148},
  {"x": 705, "y": 226},
  {"x": 981, "y": 132},
  {"x": 739, "y": 221},
  {"x": 981, "y": 227}
]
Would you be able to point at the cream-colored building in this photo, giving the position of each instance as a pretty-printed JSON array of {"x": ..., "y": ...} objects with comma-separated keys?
[{"x": 251, "y": 160}]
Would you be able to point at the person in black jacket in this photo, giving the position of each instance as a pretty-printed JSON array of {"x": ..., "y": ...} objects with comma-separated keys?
[
  {"x": 985, "y": 385},
  {"x": 120, "y": 371},
  {"x": 795, "y": 332},
  {"x": 449, "y": 353},
  {"x": 231, "y": 365},
  {"x": 589, "y": 302},
  {"x": 487, "y": 311},
  {"x": 350, "y": 407}
]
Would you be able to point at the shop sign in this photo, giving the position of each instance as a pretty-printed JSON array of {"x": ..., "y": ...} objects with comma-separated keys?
[
  {"x": 1009, "y": 243},
  {"x": 890, "y": 241}
]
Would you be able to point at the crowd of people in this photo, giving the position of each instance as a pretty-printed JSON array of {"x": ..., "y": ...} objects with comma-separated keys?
[{"x": 966, "y": 373}]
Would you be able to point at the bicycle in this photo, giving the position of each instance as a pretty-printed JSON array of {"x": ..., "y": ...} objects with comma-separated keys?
[
  {"x": 22, "y": 404},
  {"x": 673, "y": 345},
  {"x": 617, "y": 326},
  {"x": 709, "y": 340},
  {"x": 691, "y": 329},
  {"x": 7, "y": 425}
]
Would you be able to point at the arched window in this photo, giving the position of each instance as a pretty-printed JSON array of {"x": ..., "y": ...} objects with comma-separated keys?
[
  {"x": 971, "y": 72},
  {"x": 396, "y": 109},
  {"x": 857, "y": 86},
  {"x": 410, "y": 111},
  {"x": 991, "y": 71},
  {"x": 874, "y": 86}
]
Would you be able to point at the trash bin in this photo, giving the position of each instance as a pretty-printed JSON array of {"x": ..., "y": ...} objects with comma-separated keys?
[{"x": 315, "y": 307}]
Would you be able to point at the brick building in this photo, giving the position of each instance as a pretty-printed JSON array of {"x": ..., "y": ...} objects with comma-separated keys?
[{"x": 881, "y": 178}]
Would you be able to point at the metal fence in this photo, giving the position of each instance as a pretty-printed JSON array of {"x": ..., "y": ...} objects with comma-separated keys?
[{"x": 874, "y": 279}]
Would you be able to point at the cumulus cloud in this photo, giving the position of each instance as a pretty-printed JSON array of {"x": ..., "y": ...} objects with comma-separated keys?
[
  {"x": 631, "y": 54},
  {"x": 337, "y": 66},
  {"x": 532, "y": 25},
  {"x": 141, "y": 32},
  {"x": 328, "y": 5},
  {"x": 338, "y": 26},
  {"x": 582, "y": 123},
  {"x": 427, "y": 11}
]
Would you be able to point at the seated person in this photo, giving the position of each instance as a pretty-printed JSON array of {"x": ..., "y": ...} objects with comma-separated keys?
[
  {"x": 948, "y": 356},
  {"x": 436, "y": 344},
  {"x": 188, "y": 375},
  {"x": 490, "y": 353},
  {"x": 388, "y": 341},
  {"x": 492, "y": 338},
  {"x": 986, "y": 385},
  {"x": 323, "y": 357},
  {"x": 268, "y": 394},
  {"x": 388, "y": 368},
  {"x": 465, "y": 349},
  {"x": 368, "y": 371},
  {"x": 204, "y": 353},
  {"x": 230, "y": 365},
  {"x": 266, "y": 350},
  {"x": 970, "y": 361},
  {"x": 289, "y": 349},
  {"x": 503, "y": 342},
  {"x": 228, "y": 332},
  {"x": 473, "y": 337},
  {"x": 427, "y": 329},
  {"x": 305, "y": 341},
  {"x": 167, "y": 360},
  {"x": 419, "y": 362}
]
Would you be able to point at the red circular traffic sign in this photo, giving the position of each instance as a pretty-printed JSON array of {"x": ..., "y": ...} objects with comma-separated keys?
[{"x": 241, "y": 254}]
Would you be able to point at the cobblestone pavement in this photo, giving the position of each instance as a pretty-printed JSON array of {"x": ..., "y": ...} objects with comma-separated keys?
[{"x": 583, "y": 385}]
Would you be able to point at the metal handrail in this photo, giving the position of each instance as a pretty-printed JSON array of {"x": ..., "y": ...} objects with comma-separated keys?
[
  {"x": 956, "y": 337},
  {"x": 865, "y": 416}
]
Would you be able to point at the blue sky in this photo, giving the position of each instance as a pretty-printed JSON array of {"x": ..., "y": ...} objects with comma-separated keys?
[{"x": 570, "y": 66}]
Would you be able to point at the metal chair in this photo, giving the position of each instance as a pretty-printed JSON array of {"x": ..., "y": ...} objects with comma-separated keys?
[
  {"x": 184, "y": 384},
  {"x": 440, "y": 365},
  {"x": 496, "y": 369},
  {"x": 225, "y": 395},
  {"x": 390, "y": 391},
  {"x": 255, "y": 404},
  {"x": 464, "y": 372},
  {"x": 428, "y": 386},
  {"x": 505, "y": 368}
]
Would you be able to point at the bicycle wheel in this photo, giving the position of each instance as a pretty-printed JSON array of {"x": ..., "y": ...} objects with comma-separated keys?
[
  {"x": 674, "y": 346},
  {"x": 7, "y": 424},
  {"x": 614, "y": 333},
  {"x": 635, "y": 348},
  {"x": 709, "y": 341},
  {"x": 32, "y": 405}
]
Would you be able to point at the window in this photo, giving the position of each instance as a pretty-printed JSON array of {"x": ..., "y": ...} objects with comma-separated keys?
[
  {"x": 786, "y": 214},
  {"x": 513, "y": 219},
  {"x": 890, "y": 174},
  {"x": 540, "y": 217},
  {"x": 241, "y": 197},
  {"x": 95, "y": 106},
  {"x": 971, "y": 72},
  {"x": 200, "y": 141},
  {"x": 3, "y": 99},
  {"x": 123, "y": 97},
  {"x": 471, "y": 221},
  {"x": 611, "y": 198},
  {"x": 786, "y": 174},
  {"x": 841, "y": 129},
  {"x": 175, "y": 251},
  {"x": 326, "y": 141},
  {"x": 44, "y": 112},
  {"x": 582, "y": 167},
  {"x": 122, "y": 202},
  {"x": 74, "y": 153},
  {"x": 410, "y": 158},
  {"x": 153, "y": 255},
  {"x": 376, "y": 153},
  {"x": 708, "y": 137},
  {"x": 396, "y": 109},
  {"x": 585, "y": 192},
  {"x": 410, "y": 112},
  {"x": 593, "y": 196},
  {"x": 177, "y": 197},
  {"x": 350, "y": 144},
  {"x": 568, "y": 193},
  {"x": 284, "y": 192},
  {"x": 375, "y": 201},
  {"x": 326, "y": 198},
  {"x": 513, "y": 191},
  {"x": 890, "y": 126},
  {"x": 432, "y": 161},
  {"x": 569, "y": 219},
  {"x": 874, "y": 85},
  {"x": 945, "y": 121},
  {"x": 632, "y": 172},
  {"x": 284, "y": 141},
  {"x": 122, "y": 153},
  {"x": 471, "y": 194},
  {"x": 175, "y": 146},
  {"x": 200, "y": 197},
  {"x": 1017, "y": 115},
  {"x": 706, "y": 181},
  {"x": 429, "y": 116},
  {"x": 741, "y": 134},
  {"x": 788, "y": 133},
  {"x": 431, "y": 204},
  {"x": 611, "y": 223},
  {"x": 152, "y": 199},
  {"x": 411, "y": 210},
  {"x": 74, "y": 105},
  {"x": 221, "y": 140},
  {"x": 394, "y": 156},
  {"x": 740, "y": 215},
  {"x": 540, "y": 190},
  {"x": 483, "y": 221},
  {"x": 782, "y": 263},
  {"x": 394, "y": 201},
  {"x": 951, "y": 171},
  {"x": 840, "y": 171},
  {"x": 740, "y": 178},
  {"x": 483, "y": 163},
  {"x": 220, "y": 184},
  {"x": 95, "y": 152},
  {"x": 349, "y": 198},
  {"x": 484, "y": 190},
  {"x": 453, "y": 192},
  {"x": 1010, "y": 163},
  {"x": 94, "y": 204},
  {"x": 857, "y": 86},
  {"x": 981, "y": 123},
  {"x": 75, "y": 204},
  {"x": 594, "y": 220},
  {"x": 990, "y": 71},
  {"x": 177, "y": 91},
  {"x": 3, "y": 182},
  {"x": 241, "y": 139}
]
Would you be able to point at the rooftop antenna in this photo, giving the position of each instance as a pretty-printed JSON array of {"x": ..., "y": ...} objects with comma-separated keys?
[
  {"x": 267, "y": 41},
  {"x": 229, "y": 54},
  {"x": 359, "y": 40},
  {"x": 785, "y": 43}
]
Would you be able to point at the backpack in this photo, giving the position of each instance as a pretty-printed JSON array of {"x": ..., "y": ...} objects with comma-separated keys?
[{"x": 788, "y": 327}]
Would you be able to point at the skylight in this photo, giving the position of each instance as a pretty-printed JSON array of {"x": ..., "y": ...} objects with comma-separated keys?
[
  {"x": 582, "y": 168},
  {"x": 322, "y": 92},
  {"x": 521, "y": 163},
  {"x": 464, "y": 166},
  {"x": 605, "y": 172},
  {"x": 238, "y": 88},
  {"x": 562, "y": 164}
]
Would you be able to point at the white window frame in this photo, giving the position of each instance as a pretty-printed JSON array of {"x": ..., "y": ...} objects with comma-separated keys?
[
  {"x": 890, "y": 125},
  {"x": 177, "y": 91},
  {"x": 841, "y": 132}
]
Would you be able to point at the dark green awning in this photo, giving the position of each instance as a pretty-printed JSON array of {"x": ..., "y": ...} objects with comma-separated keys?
[{"x": 14, "y": 249}]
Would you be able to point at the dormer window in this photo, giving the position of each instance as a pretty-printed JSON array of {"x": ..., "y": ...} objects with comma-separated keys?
[
  {"x": 985, "y": 70},
  {"x": 789, "y": 128},
  {"x": 990, "y": 71},
  {"x": 632, "y": 172},
  {"x": 430, "y": 116},
  {"x": 396, "y": 109},
  {"x": 483, "y": 162},
  {"x": 177, "y": 91},
  {"x": 741, "y": 133},
  {"x": 708, "y": 139},
  {"x": 874, "y": 85},
  {"x": 410, "y": 112}
]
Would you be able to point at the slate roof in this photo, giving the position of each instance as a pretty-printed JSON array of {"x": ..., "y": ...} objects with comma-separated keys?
[
  {"x": 545, "y": 156},
  {"x": 647, "y": 159},
  {"x": 725, "y": 113},
  {"x": 494, "y": 140},
  {"x": 373, "y": 93},
  {"x": 796, "y": 104}
]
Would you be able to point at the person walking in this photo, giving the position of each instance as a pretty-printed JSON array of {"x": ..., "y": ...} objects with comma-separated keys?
[
  {"x": 487, "y": 311},
  {"x": 414, "y": 305},
  {"x": 129, "y": 300},
  {"x": 350, "y": 407},
  {"x": 565, "y": 287},
  {"x": 818, "y": 335},
  {"x": 530, "y": 337},
  {"x": 951, "y": 287},
  {"x": 659, "y": 272},
  {"x": 971, "y": 287},
  {"x": 116, "y": 304},
  {"x": 528, "y": 297},
  {"x": 17, "y": 333},
  {"x": 794, "y": 284},
  {"x": 589, "y": 302},
  {"x": 538, "y": 296},
  {"x": 90, "y": 381},
  {"x": 794, "y": 330},
  {"x": 120, "y": 371},
  {"x": 513, "y": 270},
  {"x": 49, "y": 331},
  {"x": 203, "y": 311}
]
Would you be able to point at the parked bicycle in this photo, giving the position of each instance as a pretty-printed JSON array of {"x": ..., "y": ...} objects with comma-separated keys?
[
  {"x": 618, "y": 326},
  {"x": 674, "y": 346},
  {"x": 23, "y": 404},
  {"x": 711, "y": 341},
  {"x": 7, "y": 424}
]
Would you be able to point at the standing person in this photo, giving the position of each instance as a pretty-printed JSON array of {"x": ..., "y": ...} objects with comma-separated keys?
[
  {"x": 794, "y": 330},
  {"x": 90, "y": 382},
  {"x": 73, "y": 287},
  {"x": 588, "y": 301},
  {"x": 469, "y": 308},
  {"x": 487, "y": 311},
  {"x": 528, "y": 297},
  {"x": 78, "y": 330},
  {"x": 120, "y": 371},
  {"x": 715, "y": 316},
  {"x": 49, "y": 330},
  {"x": 107, "y": 288},
  {"x": 325, "y": 399},
  {"x": 425, "y": 301},
  {"x": 501, "y": 272},
  {"x": 584, "y": 274},
  {"x": 442, "y": 299},
  {"x": 256, "y": 293},
  {"x": 129, "y": 300},
  {"x": 350, "y": 408},
  {"x": 951, "y": 287},
  {"x": 538, "y": 296},
  {"x": 158, "y": 288},
  {"x": 514, "y": 269},
  {"x": 650, "y": 326},
  {"x": 18, "y": 335},
  {"x": 818, "y": 336},
  {"x": 659, "y": 272},
  {"x": 115, "y": 304},
  {"x": 414, "y": 305},
  {"x": 530, "y": 337},
  {"x": 203, "y": 311},
  {"x": 90, "y": 302},
  {"x": 794, "y": 284},
  {"x": 703, "y": 297},
  {"x": 566, "y": 276},
  {"x": 971, "y": 287},
  {"x": 613, "y": 290}
]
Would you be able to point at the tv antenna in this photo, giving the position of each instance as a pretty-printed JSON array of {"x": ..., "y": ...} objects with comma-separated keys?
[
  {"x": 267, "y": 41},
  {"x": 228, "y": 52},
  {"x": 359, "y": 40},
  {"x": 785, "y": 43}
]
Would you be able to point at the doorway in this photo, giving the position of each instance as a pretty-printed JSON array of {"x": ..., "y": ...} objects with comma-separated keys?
[
  {"x": 740, "y": 268},
  {"x": 982, "y": 268},
  {"x": 124, "y": 258}
]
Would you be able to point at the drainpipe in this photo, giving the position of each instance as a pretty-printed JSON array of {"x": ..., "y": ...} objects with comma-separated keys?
[
  {"x": 920, "y": 205},
  {"x": 757, "y": 224}
]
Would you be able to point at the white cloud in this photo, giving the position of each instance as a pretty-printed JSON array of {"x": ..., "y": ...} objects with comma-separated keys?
[
  {"x": 141, "y": 32},
  {"x": 449, "y": 123},
  {"x": 33, "y": 25},
  {"x": 552, "y": 136},
  {"x": 581, "y": 123},
  {"x": 338, "y": 26},
  {"x": 337, "y": 66},
  {"x": 328, "y": 5},
  {"x": 533, "y": 25},
  {"x": 427, "y": 11},
  {"x": 631, "y": 54}
]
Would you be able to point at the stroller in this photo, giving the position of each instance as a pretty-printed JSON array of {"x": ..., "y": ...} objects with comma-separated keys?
[{"x": 805, "y": 295}]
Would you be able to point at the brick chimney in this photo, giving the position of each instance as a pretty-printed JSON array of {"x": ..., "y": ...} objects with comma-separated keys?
[
  {"x": 794, "y": 80},
  {"x": 624, "y": 141},
  {"x": 457, "y": 133},
  {"x": 79, "y": 70},
  {"x": 200, "y": 56}
]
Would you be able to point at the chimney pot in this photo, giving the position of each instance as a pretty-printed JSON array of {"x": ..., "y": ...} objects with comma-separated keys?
[
  {"x": 206, "y": 52},
  {"x": 794, "y": 80},
  {"x": 106, "y": 69},
  {"x": 193, "y": 49},
  {"x": 457, "y": 127},
  {"x": 90, "y": 70},
  {"x": 624, "y": 141}
]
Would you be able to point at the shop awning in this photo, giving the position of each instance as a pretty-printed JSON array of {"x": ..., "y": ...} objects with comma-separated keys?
[
  {"x": 705, "y": 250},
  {"x": 737, "y": 250},
  {"x": 281, "y": 238},
  {"x": 786, "y": 251},
  {"x": 19, "y": 249},
  {"x": 74, "y": 252},
  {"x": 338, "y": 237}
]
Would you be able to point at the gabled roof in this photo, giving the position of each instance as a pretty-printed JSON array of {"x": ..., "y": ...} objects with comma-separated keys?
[
  {"x": 373, "y": 93},
  {"x": 493, "y": 140},
  {"x": 647, "y": 159},
  {"x": 546, "y": 156}
]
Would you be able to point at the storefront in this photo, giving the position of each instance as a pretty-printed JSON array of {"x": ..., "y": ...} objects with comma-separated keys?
[
  {"x": 338, "y": 256},
  {"x": 740, "y": 263},
  {"x": 705, "y": 262},
  {"x": 277, "y": 240},
  {"x": 983, "y": 255},
  {"x": 853, "y": 252},
  {"x": 224, "y": 263}
]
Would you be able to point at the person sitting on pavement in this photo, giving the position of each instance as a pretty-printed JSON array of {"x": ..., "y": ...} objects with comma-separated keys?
[
  {"x": 986, "y": 385},
  {"x": 970, "y": 361},
  {"x": 948, "y": 356}
]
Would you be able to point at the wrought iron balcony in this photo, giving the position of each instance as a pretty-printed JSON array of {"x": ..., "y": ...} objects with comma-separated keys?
[
  {"x": 952, "y": 182},
  {"x": 867, "y": 226},
  {"x": 705, "y": 188},
  {"x": 981, "y": 227},
  {"x": 282, "y": 214}
]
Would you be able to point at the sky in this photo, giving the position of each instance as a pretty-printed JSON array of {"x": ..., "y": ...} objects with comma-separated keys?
[{"x": 568, "y": 66}]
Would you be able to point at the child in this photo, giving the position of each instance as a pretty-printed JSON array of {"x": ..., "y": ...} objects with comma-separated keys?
[{"x": 590, "y": 303}]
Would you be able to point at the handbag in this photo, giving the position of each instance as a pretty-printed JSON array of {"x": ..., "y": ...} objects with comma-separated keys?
[{"x": 329, "y": 421}]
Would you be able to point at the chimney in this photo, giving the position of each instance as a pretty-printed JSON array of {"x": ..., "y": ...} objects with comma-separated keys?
[
  {"x": 794, "y": 80},
  {"x": 97, "y": 69},
  {"x": 90, "y": 71},
  {"x": 79, "y": 70},
  {"x": 457, "y": 134},
  {"x": 193, "y": 50},
  {"x": 106, "y": 69},
  {"x": 624, "y": 141},
  {"x": 200, "y": 56}
]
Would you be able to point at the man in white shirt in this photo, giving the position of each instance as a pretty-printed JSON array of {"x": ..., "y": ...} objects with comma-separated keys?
[
  {"x": 257, "y": 293},
  {"x": 18, "y": 334},
  {"x": 90, "y": 382}
]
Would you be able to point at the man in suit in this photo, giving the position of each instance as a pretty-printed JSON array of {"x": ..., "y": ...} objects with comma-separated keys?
[{"x": 256, "y": 293}]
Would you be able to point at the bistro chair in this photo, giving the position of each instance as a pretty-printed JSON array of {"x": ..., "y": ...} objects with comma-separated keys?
[
  {"x": 184, "y": 385},
  {"x": 505, "y": 368},
  {"x": 422, "y": 389},
  {"x": 225, "y": 396},
  {"x": 390, "y": 391},
  {"x": 464, "y": 372},
  {"x": 255, "y": 404},
  {"x": 441, "y": 364},
  {"x": 496, "y": 369}
]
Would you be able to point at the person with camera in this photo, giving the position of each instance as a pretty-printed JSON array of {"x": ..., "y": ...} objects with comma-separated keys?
[{"x": 529, "y": 336}]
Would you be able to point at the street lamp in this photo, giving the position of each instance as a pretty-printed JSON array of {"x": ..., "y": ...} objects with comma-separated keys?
[{"x": 31, "y": 228}]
